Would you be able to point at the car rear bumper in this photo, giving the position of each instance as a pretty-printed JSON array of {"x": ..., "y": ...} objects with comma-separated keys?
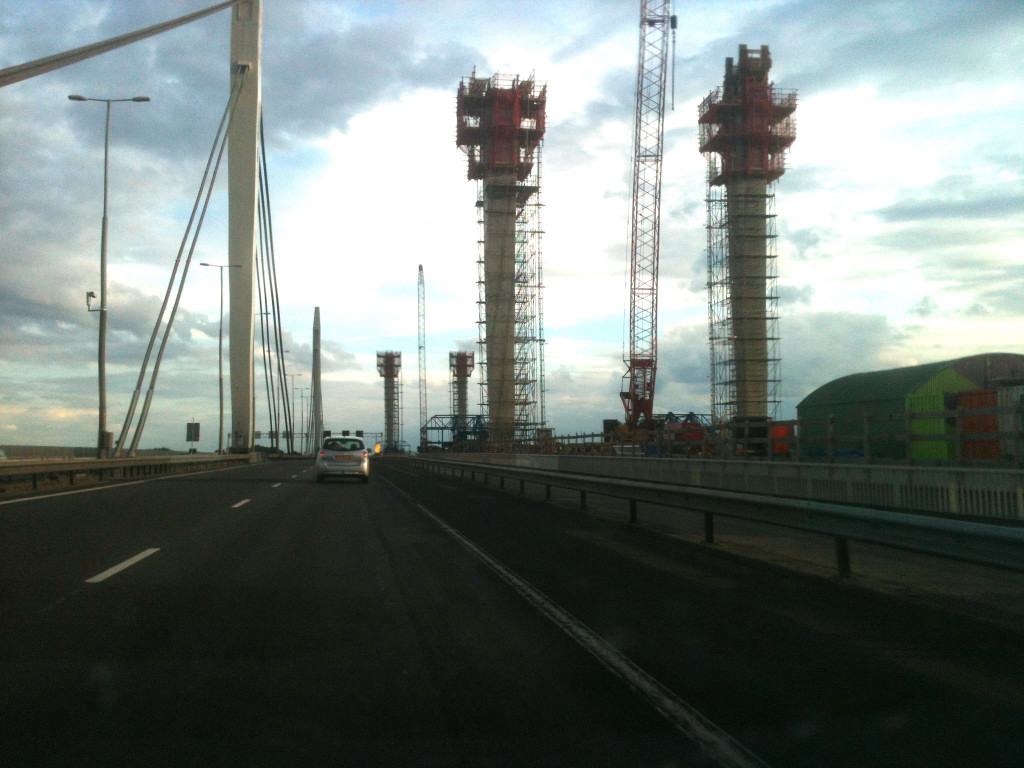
[{"x": 342, "y": 469}]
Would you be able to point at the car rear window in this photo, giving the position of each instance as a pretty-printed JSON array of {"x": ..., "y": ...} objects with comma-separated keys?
[{"x": 343, "y": 445}]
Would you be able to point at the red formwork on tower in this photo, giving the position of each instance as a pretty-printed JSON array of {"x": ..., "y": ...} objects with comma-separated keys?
[
  {"x": 746, "y": 127},
  {"x": 748, "y": 121},
  {"x": 500, "y": 124}
]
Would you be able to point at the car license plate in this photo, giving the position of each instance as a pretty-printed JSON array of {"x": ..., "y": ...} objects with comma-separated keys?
[{"x": 342, "y": 458}]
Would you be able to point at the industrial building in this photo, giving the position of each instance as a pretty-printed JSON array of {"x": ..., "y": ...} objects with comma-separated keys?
[
  {"x": 500, "y": 125},
  {"x": 746, "y": 126},
  {"x": 869, "y": 415}
]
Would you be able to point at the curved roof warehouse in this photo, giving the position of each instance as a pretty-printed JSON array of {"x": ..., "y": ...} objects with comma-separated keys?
[{"x": 870, "y": 412}]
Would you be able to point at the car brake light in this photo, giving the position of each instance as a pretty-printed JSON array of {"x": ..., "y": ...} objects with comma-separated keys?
[{"x": 322, "y": 453}]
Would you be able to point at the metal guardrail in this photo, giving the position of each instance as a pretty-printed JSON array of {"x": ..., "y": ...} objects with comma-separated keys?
[
  {"x": 998, "y": 546},
  {"x": 69, "y": 472},
  {"x": 989, "y": 494}
]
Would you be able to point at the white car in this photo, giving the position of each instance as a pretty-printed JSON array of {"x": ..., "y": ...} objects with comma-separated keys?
[{"x": 343, "y": 457}]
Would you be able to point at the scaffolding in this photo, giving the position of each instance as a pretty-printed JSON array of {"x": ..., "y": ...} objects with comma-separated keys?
[
  {"x": 746, "y": 126},
  {"x": 389, "y": 366},
  {"x": 500, "y": 128}
]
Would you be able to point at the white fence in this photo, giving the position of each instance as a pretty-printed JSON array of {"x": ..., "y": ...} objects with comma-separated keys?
[{"x": 962, "y": 491}]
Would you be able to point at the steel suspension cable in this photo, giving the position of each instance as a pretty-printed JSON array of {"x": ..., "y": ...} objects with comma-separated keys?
[
  {"x": 265, "y": 329},
  {"x": 184, "y": 272},
  {"x": 21, "y": 72},
  {"x": 221, "y": 131},
  {"x": 274, "y": 294}
]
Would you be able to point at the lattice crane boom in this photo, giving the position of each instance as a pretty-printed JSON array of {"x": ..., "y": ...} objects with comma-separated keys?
[
  {"x": 422, "y": 333},
  {"x": 637, "y": 392}
]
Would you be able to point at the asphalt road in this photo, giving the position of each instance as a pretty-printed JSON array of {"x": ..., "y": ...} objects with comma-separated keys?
[{"x": 254, "y": 617}]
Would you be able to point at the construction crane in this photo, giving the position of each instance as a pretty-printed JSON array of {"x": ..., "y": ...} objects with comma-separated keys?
[
  {"x": 422, "y": 301},
  {"x": 637, "y": 391}
]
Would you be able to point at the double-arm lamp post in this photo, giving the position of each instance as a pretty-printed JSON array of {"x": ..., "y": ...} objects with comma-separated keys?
[{"x": 102, "y": 443}]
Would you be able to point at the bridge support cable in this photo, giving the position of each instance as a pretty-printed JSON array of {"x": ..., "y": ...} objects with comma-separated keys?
[
  {"x": 20, "y": 72},
  {"x": 272, "y": 349},
  {"x": 275, "y": 371},
  {"x": 182, "y": 263}
]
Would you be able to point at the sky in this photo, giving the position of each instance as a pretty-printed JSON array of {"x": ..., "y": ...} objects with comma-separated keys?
[{"x": 900, "y": 215}]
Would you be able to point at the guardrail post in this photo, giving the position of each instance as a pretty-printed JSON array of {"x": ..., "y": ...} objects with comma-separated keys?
[
  {"x": 522, "y": 487},
  {"x": 958, "y": 428},
  {"x": 843, "y": 557},
  {"x": 709, "y": 528},
  {"x": 632, "y": 511},
  {"x": 547, "y": 492},
  {"x": 583, "y": 500}
]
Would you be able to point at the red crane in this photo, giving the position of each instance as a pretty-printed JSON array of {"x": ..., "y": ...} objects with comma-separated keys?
[{"x": 637, "y": 392}]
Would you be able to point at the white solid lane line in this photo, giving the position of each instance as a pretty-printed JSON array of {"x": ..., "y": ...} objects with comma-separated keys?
[
  {"x": 242, "y": 503},
  {"x": 276, "y": 485},
  {"x": 121, "y": 566},
  {"x": 715, "y": 742}
]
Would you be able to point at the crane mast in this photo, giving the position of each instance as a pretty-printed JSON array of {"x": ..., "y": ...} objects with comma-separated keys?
[
  {"x": 421, "y": 295},
  {"x": 641, "y": 359}
]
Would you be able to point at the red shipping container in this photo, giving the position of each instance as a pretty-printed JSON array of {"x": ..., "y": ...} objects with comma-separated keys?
[
  {"x": 781, "y": 432},
  {"x": 975, "y": 424}
]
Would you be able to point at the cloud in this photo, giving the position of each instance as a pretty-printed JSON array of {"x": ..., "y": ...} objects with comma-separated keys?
[
  {"x": 904, "y": 182},
  {"x": 925, "y": 308}
]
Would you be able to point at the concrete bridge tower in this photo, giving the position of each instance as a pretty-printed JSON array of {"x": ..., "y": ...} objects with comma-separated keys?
[
  {"x": 746, "y": 126},
  {"x": 243, "y": 186},
  {"x": 389, "y": 366},
  {"x": 461, "y": 364},
  {"x": 500, "y": 127}
]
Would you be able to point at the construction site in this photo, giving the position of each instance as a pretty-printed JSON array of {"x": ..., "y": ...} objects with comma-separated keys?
[
  {"x": 745, "y": 125},
  {"x": 500, "y": 125}
]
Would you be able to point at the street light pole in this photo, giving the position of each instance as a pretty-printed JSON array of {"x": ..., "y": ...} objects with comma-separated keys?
[
  {"x": 102, "y": 442},
  {"x": 305, "y": 421},
  {"x": 292, "y": 426},
  {"x": 220, "y": 351}
]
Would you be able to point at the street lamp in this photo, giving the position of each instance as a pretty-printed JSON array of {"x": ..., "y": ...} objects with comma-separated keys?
[
  {"x": 220, "y": 350},
  {"x": 102, "y": 441},
  {"x": 305, "y": 420}
]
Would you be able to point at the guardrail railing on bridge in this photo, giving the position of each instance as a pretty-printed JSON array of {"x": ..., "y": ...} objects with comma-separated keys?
[
  {"x": 987, "y": 544},
  {"x": 20, "y": 475},
  {"x": 995, "y": 493}
]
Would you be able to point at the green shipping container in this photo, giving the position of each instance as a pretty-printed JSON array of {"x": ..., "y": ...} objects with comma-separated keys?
[{"x": 923, "y": 450}]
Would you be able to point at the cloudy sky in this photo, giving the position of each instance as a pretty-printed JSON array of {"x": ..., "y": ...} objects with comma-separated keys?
[{"x": 900, "y": 217}]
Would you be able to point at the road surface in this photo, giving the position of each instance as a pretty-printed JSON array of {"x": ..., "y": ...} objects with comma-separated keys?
[{"x": 254, "y": 617}]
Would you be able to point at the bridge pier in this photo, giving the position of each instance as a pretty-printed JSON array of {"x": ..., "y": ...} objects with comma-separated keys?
[{"x": 243, "y": 194}]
